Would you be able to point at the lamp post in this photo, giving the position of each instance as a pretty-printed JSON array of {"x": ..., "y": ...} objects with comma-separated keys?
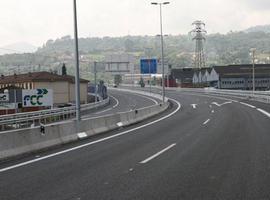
[
  {"x": 162, "y": 46},
  {"x": 253, "y": 69},
  {"x": 76, "y": 52}
]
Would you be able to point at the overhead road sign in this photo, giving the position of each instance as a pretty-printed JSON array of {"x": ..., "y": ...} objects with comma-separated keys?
[{"x": 149, "y": 66}]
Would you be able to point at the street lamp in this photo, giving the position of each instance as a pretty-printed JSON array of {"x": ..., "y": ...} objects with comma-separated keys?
[
  {"x": 77, "y": 77},
  {"x": 162, "y": 46},
  {"x": 253, "y": 69}
]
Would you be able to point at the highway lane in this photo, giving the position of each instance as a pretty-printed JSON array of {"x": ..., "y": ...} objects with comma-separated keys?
[
  {"x": 226, "y": 158},
  {"x": 121, "y": 102}
]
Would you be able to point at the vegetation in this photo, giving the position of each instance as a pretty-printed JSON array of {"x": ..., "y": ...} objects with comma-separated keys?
[{"x": 220, "y": 49}]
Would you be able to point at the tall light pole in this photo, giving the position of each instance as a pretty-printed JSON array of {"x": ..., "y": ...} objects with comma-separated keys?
[
  {"x": 77, "y": 63},
  {"x": 253, "y": 68},
  {"x": 162, "y": 46}
]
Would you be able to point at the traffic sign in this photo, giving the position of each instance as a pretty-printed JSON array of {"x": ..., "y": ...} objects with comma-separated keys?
[{"x": 149, "y": 66}]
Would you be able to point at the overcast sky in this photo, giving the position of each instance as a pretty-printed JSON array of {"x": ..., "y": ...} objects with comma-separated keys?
[{"x": 36, "y": 21}]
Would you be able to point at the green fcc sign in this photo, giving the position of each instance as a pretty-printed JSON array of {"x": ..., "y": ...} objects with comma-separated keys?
[{"x": 37, "y": 97}]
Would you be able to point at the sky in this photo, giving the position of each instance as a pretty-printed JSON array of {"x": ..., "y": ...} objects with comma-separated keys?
[{"x": 36, "y": 21}]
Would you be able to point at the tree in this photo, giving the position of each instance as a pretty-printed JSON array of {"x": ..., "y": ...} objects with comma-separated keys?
[
  {"x": 64, "y": 69},
  {"x": 117, "y": 79}
]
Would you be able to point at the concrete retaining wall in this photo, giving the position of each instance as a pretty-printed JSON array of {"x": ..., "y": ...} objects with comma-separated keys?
[{"x": 13, "y": 143}]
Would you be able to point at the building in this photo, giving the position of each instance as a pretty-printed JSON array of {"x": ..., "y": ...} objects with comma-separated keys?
[
  {"x": 201, "y": 76},
  {"x": 63, "y": 86},
  {"x": 183, "y": 76},
  {"x": 235, "y": 77}
]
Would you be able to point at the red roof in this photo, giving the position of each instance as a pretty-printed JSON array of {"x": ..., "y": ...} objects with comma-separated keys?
[{"x": 38, "y": 77}]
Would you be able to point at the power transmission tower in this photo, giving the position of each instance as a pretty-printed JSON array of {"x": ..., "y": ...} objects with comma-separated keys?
[{"x": 199, "y": 32}]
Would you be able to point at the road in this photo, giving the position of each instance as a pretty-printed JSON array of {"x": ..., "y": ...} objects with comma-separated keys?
[
  {"x": 210, "y": 148},
  {"x": 122, "y": 102}
]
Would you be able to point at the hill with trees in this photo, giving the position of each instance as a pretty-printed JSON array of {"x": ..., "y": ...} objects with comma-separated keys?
[{"x": 220, "y": 49}]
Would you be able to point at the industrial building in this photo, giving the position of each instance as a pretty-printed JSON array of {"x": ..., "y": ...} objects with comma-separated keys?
[
  {"x": 183, "y": 76},
  {"x": 63, "y": 86},
  {"x": 234, "y": 77}
]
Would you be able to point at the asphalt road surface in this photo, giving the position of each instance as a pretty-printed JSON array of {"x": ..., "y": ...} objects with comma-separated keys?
[
  {"x": 122, "y": 102},
  {"x": 210, "y": 148}
]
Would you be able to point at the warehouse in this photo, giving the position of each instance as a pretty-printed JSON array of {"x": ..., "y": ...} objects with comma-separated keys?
[
  {"x": 183, "y": 76},
  {"x": 236, "y": 77}
]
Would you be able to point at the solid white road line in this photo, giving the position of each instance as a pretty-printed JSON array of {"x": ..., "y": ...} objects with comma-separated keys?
[
  {"x": 246, "y": 104},
  {"x": 206, "y": 122},
  {"x": 264, "y": 112},
  {"x": 222, "y": 104},
  {"x": 94, "y": 142},
  {"x": 157, "y": 154},
  {"x": 117, "y": 103}
]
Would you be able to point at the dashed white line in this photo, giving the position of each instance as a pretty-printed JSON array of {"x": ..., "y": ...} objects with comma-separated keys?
[
  {"x": 91, "y": 143},
  {"x": 157, "y": 154},
  {"x": 246, "y": 104},
  {"x": 206, "y": 122},
  {"x": 264, "y": 112}
]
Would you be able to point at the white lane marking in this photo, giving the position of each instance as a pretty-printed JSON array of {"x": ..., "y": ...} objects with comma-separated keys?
[
  {"x": 209, "y": 96},
  {"x": 222, "y": 104},
  {"x": 264, "y": 112},
  {"x": 194, "y": 105},
  {"x": 246, "y": 104},
  {"x": 215, "y": 103},
  {"x": 212, "y": 111},
  {"x": 117, "y": 103},
  {"x": 94, "y": 142},
  {"x": 82, "y": 135},
  {"x": 206, "y": 122},
  {"x": 157, "y": 154}
]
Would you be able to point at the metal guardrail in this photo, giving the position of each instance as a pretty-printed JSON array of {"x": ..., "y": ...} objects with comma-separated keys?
[
  {"x": 261, "y": 96},
  {"x": 23, "y": 120}
]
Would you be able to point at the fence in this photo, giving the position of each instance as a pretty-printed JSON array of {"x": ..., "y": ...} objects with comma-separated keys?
[{"x": 24, "y": 120}]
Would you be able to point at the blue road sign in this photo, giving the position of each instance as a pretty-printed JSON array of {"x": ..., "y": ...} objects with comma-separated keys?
[{"x": 149, "y": 66}]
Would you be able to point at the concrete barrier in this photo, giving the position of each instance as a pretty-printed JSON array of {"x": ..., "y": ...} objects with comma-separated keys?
[{"x": 17, "y": 142}]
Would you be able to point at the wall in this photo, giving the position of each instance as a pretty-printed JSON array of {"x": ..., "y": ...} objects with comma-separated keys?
[
  {"x": 13, "y": 143},
  {"x": 60, "y": 90},
  {"x": 83, "y": 92}
]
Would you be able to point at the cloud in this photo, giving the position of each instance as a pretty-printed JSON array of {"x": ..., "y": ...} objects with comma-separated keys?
[{"x": 35, "y": 21}]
